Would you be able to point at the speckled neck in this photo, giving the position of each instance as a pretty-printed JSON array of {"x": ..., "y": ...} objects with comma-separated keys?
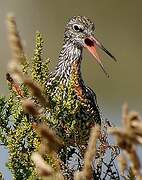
[{"x": 70, "y": 54}]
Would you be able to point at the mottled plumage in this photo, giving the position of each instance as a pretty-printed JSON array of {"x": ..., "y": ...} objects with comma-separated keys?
[{"x": 79, "y": 32}]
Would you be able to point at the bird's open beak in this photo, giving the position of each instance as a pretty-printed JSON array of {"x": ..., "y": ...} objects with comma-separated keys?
[{"x": 91, "y": 43}]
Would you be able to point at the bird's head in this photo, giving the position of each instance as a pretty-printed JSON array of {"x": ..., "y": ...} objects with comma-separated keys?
[{"x": 80, "y": 31}]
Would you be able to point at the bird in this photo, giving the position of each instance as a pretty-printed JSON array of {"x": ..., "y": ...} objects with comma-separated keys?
[{"x": 83, "y": 111}]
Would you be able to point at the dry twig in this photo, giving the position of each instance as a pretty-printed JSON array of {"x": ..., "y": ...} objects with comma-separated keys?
[
  {"x": 127, "y": 139},
  {"x": 86, "y": 172}
]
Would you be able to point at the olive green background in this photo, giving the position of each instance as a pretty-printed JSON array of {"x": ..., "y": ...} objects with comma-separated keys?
[{"x": 118, "y": 27}]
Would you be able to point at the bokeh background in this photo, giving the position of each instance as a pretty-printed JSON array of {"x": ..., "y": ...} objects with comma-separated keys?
[{"x": 118, "y": 27}]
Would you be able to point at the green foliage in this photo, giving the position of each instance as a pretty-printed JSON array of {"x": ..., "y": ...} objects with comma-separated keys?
[
  {"x": 39, "y": 69},
  {"x": 17, "y": 135},
  {"x": 16, "y": 132}
]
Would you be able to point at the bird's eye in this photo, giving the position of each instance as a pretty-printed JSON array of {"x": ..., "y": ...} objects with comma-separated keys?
[{"x": 77, "y": 28}]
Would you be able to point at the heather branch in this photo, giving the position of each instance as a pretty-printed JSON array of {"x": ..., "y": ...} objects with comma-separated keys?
[
  {"x": 127, "y": 139},
  {"x": 14, "y": 65},
  {"x": 14, "y": 40},
  {"x": 48, "y": 134},
  {"x": 49, "y": 144},
  {"x": 30, "y": 107},
  {"x": 42, "y": 168},
  {"x": 86, "y": 172}
]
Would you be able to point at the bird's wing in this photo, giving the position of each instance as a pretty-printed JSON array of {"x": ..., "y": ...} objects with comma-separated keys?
[{"x": 92, "y": 96}]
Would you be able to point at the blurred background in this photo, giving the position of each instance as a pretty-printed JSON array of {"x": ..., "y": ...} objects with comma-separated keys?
[{"x": 118, "y": 27}]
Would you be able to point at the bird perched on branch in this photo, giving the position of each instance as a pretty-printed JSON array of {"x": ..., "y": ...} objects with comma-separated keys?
[{"x": 79, "y": 34}]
